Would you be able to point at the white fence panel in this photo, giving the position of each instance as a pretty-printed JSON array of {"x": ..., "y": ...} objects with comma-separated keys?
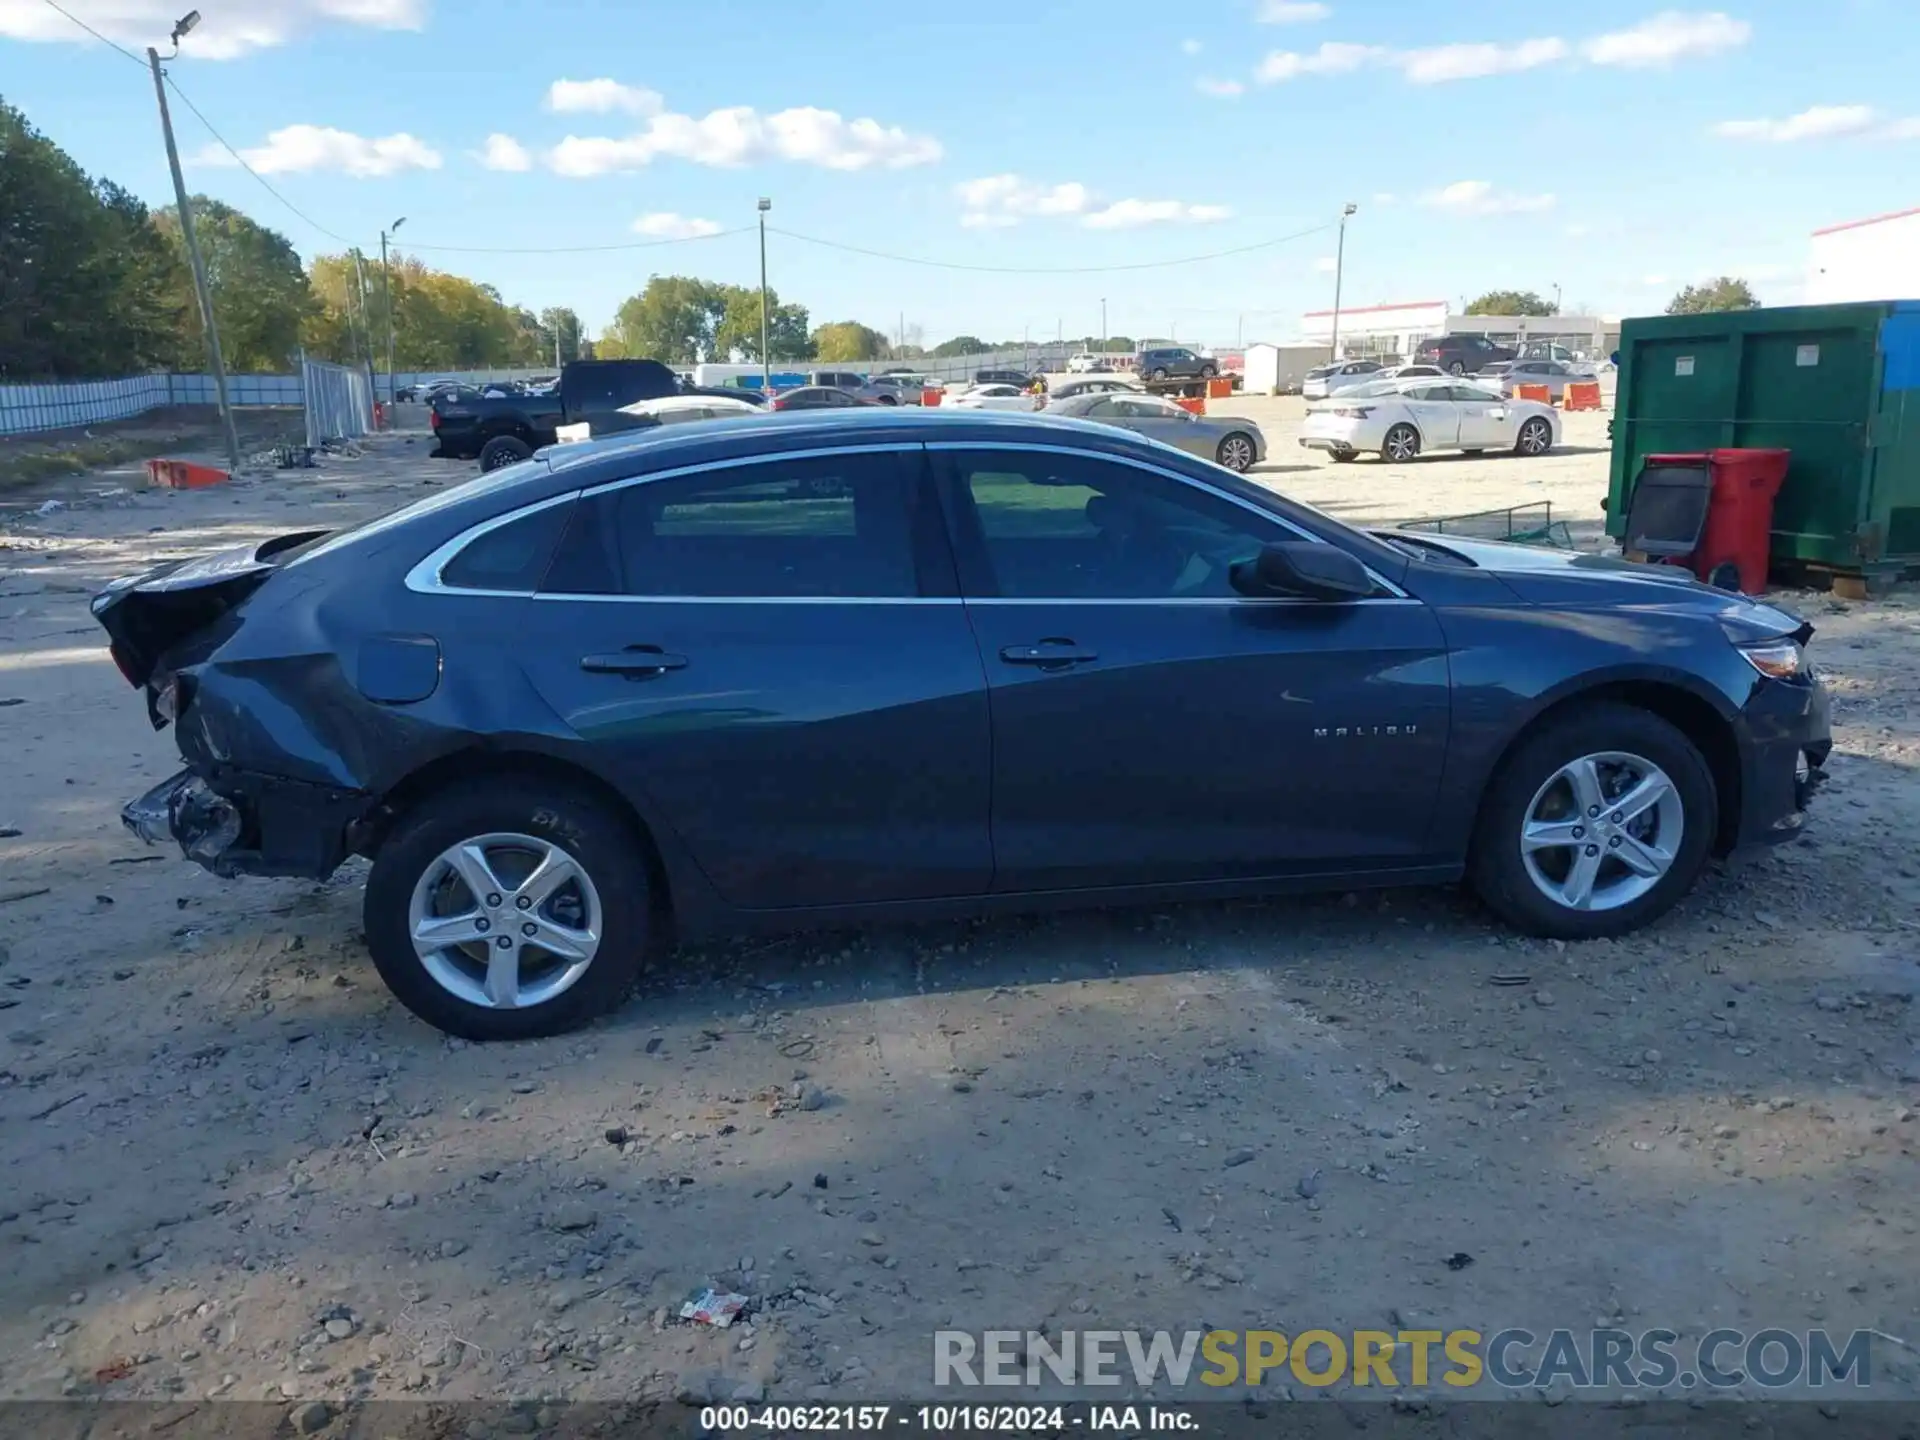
[
  {"x": 28, "y": 409},
  {"x": 338, "y": 401}
]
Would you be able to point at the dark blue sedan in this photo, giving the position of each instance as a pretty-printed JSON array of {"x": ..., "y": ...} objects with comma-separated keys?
[{"x": 887, "y": 664}]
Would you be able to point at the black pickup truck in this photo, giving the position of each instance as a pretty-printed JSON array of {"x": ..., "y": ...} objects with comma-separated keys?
[{"x": 507, "y": 429}]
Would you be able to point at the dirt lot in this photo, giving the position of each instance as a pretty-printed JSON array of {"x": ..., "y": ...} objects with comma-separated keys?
[{"x": 233, "y": 1167}]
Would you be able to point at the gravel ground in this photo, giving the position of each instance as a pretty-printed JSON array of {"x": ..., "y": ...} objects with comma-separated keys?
[{"x": 235, "y": 1168}]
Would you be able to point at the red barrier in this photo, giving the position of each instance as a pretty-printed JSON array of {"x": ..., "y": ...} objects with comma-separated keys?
[
  {"x": 1194, "y": 406},
  {"x": 1582, "y": 395},
  {"x": 184, "y": 475}
]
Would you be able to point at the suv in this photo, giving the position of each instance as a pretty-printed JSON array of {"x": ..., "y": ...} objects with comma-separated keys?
[
  {"x": 1176, "y": 362},
  {"x": 1002, "y": 377},
  {"x": 1460, "y": 354}
]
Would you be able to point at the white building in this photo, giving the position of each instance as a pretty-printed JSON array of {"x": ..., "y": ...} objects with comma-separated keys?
[
  {"x": 1382, "y": 330},
  {"x": 1875, "y": 259}
]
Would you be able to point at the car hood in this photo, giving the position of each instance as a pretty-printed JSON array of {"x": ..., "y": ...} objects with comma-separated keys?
[{"x": 1543, "y": 576}]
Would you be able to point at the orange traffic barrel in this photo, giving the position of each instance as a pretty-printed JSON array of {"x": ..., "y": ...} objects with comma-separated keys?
[{"x": 184, "y": 474}]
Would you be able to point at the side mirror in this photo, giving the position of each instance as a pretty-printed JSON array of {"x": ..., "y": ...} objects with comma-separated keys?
[{"x": 1300, "y": 567}]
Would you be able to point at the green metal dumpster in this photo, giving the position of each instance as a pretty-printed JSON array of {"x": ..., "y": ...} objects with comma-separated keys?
[{"x": 1838, "y": 385}]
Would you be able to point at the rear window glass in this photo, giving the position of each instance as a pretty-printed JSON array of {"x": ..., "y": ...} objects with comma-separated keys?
[{"x": 511, "y": 557}]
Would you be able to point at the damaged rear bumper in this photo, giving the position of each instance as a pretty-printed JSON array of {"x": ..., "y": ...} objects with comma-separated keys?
[{"x": 243, "y": 823}]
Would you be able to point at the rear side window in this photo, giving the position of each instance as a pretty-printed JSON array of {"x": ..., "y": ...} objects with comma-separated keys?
[
  {"x": 511, "y": 557},
  {"x": 829, "y": 527}
]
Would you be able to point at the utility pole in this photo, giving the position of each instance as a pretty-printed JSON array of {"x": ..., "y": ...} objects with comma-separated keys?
[
  {"x": 1339, "y": 274},
  {"x": 1103, "y": 324},
  {"x": 386, "y": 288},
  {"x": 366, "y": 321},
  {"x": 766, "y": 355},
  {"x": 1556, "y": 297},
  {"x": 201, "y": 293}
]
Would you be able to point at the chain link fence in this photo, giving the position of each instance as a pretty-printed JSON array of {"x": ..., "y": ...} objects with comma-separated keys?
[{"x": 338, "y": 401}]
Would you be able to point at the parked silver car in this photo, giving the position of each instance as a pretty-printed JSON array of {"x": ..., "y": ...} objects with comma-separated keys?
[
  {"x": 1098, "y": 385},
  {"x": 1325, "y": 380},
  {"x": 1556, "y": 375},
  {"x": 1225, "y": 439}
]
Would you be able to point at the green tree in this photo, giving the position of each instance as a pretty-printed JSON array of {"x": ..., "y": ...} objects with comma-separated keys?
[
  {"x": 738, "y": 332},
  {"x": 960, "y": 345},
  {"x": 673, "y": 320},
  {"x": 849, "y": 340},
  {"x": 1511, "y": 302},
  {"x": 1723, "y": 292},
  {"x": 261, "y": 297},
  {"x": 558, "y": 322}
]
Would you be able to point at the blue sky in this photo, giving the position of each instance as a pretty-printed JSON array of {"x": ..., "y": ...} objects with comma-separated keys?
[{"x": 1616, "y": 156}]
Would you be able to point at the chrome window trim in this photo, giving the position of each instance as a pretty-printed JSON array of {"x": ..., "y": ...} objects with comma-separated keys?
[{"x": 425, "y": 578}]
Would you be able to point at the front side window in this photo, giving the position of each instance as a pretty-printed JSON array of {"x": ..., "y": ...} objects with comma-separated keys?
[
  {"x": 1063, "y": 527},
  {"x": 832, "y": 527}
]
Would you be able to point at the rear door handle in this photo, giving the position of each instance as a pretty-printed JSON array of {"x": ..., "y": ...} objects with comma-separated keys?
[
  {"x": 1049, "y": 654},
  {"x": 638, "y": 661}
]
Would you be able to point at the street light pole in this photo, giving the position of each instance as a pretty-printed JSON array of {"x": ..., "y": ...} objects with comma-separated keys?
[
  {"x": 766, "y": 353},
  {"x": 1339, "y": 274},
  {"x": 1556, "y": 297},
  {"x": 201, "y": 293},
  {"x": 1103, "y": 324},
  {"x": 386, "y": 290}
]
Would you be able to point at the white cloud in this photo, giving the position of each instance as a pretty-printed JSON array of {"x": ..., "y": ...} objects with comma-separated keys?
[
  {"x": 1291, "y": 12},
  {"x": 1190, "y": 47},
  {"x": 1822, "y": 122},
  {"x": 740, "y": 135},
  {"x": 1325, "y": 265},
  {"x": 1669, "y": 36},
  {"x": 994, "y": 202},
  {"x": 225, "y": 31},
  {"x": 1219, "y": 89},
  {"x": 1470, "y": 62},
  {"x": 666, "y": 225},
  {"x": 1383, "y": 197},
  {"x": 1131, "y": 214},
  {"x": 1655, "y": 281},
  {"x": 1478, "y": 197},
  {"x": 602, "y": 97},
  {"x": 1332, "y": 58},
  {"x": 503, "y": 152},
  {"x": 1578, "y": 231},
  {"x": 299, "y": 148}
]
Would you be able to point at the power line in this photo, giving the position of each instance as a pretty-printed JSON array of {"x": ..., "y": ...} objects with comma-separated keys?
[
  {"x": 1052, "y": 269},
  {"x": 239, "y": 160},
  {"x": 97, "y": 35},
  {"x": 578, "y": 249}
]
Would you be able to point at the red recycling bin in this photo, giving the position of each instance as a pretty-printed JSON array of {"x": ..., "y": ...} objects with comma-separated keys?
[{"x": 1739, "y": 526}]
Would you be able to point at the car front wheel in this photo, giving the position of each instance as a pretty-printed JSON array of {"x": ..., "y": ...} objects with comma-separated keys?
[
  {"x": 1236, "y": 452},
  {"x": 503, "y": 450},
  {"x": 1536, "y": 437},
  {"x": 507, "y": 912},
  {"x": 1595, "y": 826}
]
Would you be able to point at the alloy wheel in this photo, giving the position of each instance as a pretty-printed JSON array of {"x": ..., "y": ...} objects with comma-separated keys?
[
  {"x": 1402, "y": 443},
  {"x": 505, "y": 921},
  {"x": 1535, "y": 437},
  {"x": 1236, "y": 453},
  {"x": 1602, "y": 831}
]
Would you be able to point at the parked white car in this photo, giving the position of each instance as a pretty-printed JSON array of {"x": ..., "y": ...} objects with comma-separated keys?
[
  {"x": 999, "y": 397},
  {"x": 1397, "y": 420},
  {"x": 1325, "y": 380}
]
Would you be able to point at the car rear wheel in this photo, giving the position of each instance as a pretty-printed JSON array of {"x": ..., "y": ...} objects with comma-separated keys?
[
  {"x": 1456, "y": 367},
  {"x": 1236, "y": 452},
  {"x": 1594, "y": 826},
  {"x": 1401, "y": 445},
  {"x": 1344, "y": 457},
  {"x": 503, "y": 450},
  {"x": 1158, "y": 375},
  {"x": 1536, "y": 438},
  {"x": 1207, "y": 372},
  {"x": 509, "y": 912}
]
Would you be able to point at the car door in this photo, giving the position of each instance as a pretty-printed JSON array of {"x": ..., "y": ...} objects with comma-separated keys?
[
  {"x": 1486, "y": 420},
  {"x": 773, "y": 655},
  {"x": 1151, "y": 725},
  {"x": 1154, "y": 418},
  {"x": 1434, "y": 411}
]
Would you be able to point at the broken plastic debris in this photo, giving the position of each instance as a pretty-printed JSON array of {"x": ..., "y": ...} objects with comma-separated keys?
[{"x": 719, "y": 1308}]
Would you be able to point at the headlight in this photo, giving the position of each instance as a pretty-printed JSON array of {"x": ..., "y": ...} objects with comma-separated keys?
[{"x": 1777, "y": 659}]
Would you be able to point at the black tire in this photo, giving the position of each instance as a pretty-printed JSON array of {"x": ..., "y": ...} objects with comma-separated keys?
[
  {"x": 1404, "y": 438},
  {"x": 592, "y": 834},
  {"x": 1158, "y": 375},
  {"x": 1498, "y": 872},
  {"x": 885, "y": 400},
  {"x": 503, "y": 450},
  {"x": 1456, "y": 368},
  {"x": 1344, "y": 457},
  {"x": 1535, "y": 438},
  {"x": 1207, "y": 372},
  {"x": 1239, "y": 457}
]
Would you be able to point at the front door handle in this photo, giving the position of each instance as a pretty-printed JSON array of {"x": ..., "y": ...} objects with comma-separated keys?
[
  {"x": 1049, "y": 654},
  {"x": 636, "y": 661}
]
